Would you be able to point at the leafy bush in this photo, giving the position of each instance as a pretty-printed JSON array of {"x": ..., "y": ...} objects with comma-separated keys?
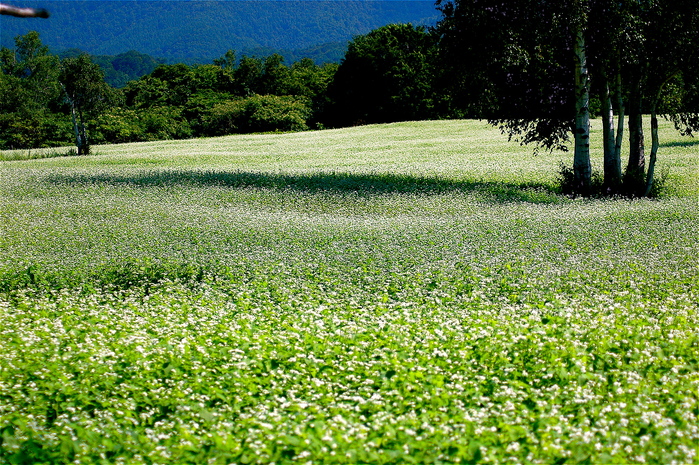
[
  {"x": 34, "y": 130},
  {"x": 146, "y": 124},
  {"x": 276, "y": 113},
  {"x": 118, "y": 125},
  {"x": 164, "y": 123},
  {"x": 224, "y": 118},
  {"x": 567, "y": 183},
  {"x": 259, "y": 113}
]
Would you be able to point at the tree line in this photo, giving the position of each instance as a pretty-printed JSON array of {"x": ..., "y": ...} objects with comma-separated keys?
[
  {"x": 47, "y": 101},
  {"x": 538, "y": 69}
]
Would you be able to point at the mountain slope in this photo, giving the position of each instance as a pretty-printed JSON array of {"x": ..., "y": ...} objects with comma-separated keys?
[{"x": 201, "y": 30}]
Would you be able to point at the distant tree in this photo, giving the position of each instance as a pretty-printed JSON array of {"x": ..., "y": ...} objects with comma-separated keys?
[
  {"x": 386, "y": 75},
  {"x": 310, "y": 80},
  {"x": 302, "y": 79},
  {"x": 258, "y": 113},
  {"x": 166, "y": 85},
  {"x": 179, "y": 81},
  {"x": 211, "y": 78},
  {"x": 86, "y": 93},
  {"x": 29, "y": 93},
  {"x": 248, "y": 77},
  {"x": 306, "y": 79},
  {"x": 147, "y": 92},
  {"x": 274, "y": 79},
  {"x": 33, "y": 72},
  {"x": 227, "y": 61}
]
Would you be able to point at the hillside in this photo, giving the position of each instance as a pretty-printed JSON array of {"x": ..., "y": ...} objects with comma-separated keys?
[{"x": 199, "y": 31}]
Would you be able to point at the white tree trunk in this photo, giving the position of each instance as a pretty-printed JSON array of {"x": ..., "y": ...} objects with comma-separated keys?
[
  {"x": 582, "y": 169},
  {"x": 79, "y": 129},
  {"x": 75, "y": 126}
]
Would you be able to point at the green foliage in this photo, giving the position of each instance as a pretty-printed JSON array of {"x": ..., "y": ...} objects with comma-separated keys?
[
  {"x": 400, "y": 293},
  {"x": 248, "y": 77},
  {"x": 386, "y": 75},
  {"x": 84, "y": 86},
  {"x": 87, "y": 94},
  {"x": 125, "y": 67},
  {"x": 259, "y": 113},
  {"x": 29, "y": 93},
  {"x": 567, "y": 182},
  {"x": 118, "y": 125},
  {"x": 146, "y": 92},
  {"x": 33, "y": 130},
  {"x": 205, "y": 96},
  {"x": 19, "y": 131},
  {"x": 263, "y": 113},
  {"x": 121, "y": 125},
  {"x": 162, "y": 123}
]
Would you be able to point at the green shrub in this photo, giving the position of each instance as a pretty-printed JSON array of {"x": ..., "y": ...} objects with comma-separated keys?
[
  {"x": 118, "y": 125},
  {"x": 164, "y": 123},
  {"x": 259, "y": 113},
  {"x": 34, "y": 130},
  {"x": 223, "y": 118},
  {"x": 277, "y": 113},
  {"x": 632, "y": 185}
]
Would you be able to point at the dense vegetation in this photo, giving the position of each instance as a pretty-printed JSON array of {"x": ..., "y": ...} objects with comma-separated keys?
[
  {"x": 385, "y": 76},
  {"x": 404, "y": 293},
  {"x": 171, "y": 102}
]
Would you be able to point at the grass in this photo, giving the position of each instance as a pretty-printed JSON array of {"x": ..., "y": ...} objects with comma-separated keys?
[
  {"x": 33, "y": 154},
  {"x": 415, "y": 292}
]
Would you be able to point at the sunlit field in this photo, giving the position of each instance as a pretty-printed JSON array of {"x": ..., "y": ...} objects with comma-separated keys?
[{"x": 403, "y": 293}]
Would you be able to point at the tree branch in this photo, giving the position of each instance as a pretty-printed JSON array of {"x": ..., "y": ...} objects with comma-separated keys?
[{"x": 23, "y": 12}]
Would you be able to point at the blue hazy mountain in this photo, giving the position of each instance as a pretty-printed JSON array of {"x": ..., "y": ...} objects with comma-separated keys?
[{"x": 199, "y": 31}]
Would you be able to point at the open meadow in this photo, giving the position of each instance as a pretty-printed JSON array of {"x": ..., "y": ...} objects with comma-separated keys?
[{"x": 405, "y": 293}]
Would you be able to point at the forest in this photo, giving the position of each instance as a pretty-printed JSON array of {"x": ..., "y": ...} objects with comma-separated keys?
[{"x": 230, "y": 95}]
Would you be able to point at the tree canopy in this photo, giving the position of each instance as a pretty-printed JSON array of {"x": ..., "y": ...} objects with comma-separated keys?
[
  {"x": 386, "y": 75},
  {"x": 531, "y": 66}
]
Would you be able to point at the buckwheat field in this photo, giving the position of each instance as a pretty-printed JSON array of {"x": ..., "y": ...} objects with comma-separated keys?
[{"x": 403, "y": 293}]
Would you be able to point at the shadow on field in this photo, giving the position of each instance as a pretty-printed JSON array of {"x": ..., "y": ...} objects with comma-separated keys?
[
  {"x": 323, "y": 182},
  {"x": 681, "y": 143}
]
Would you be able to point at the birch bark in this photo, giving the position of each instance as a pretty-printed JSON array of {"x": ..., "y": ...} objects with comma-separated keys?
[{"x": 582, "y": 169}]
